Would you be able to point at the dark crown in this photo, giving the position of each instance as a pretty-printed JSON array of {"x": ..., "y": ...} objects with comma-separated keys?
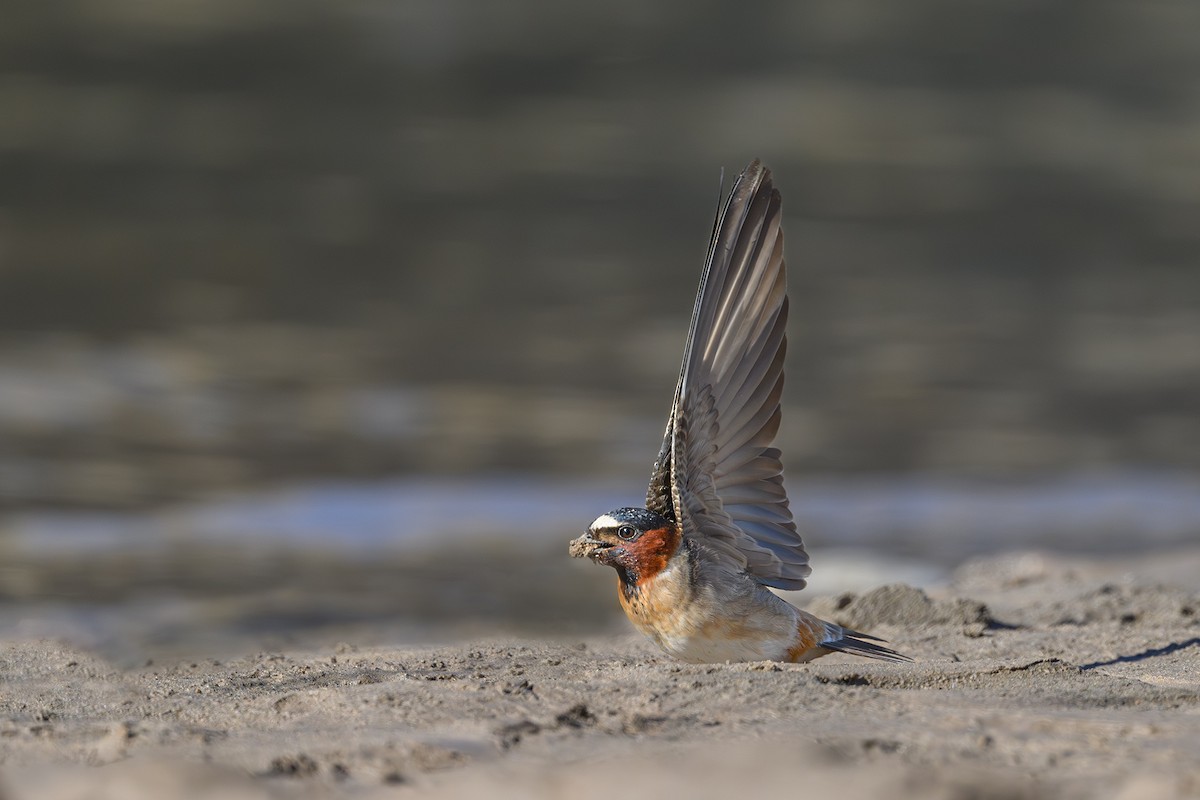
[{"x": 641, "y": 518}]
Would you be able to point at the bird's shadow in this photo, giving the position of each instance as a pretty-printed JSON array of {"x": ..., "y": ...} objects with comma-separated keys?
[{"x": 1153, "y": 652}]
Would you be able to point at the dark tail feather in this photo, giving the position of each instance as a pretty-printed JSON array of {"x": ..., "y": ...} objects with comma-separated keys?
[{"x": 857, "y": 644}]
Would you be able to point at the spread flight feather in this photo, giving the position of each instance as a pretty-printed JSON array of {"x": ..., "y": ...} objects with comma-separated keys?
[{"x": 717, "y": 475}]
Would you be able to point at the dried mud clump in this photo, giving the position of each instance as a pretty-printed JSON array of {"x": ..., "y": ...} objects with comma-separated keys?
[{"x": 902, "y": 605}]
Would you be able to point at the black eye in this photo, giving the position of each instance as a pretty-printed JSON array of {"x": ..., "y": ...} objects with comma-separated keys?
[{"x": 626, "y": 532}]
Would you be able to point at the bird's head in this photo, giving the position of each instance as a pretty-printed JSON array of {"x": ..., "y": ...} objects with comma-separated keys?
[{"x": 636, "y": 542}]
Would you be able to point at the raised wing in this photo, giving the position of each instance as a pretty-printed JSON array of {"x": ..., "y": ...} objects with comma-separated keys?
[{"x": 717, "y": 474}]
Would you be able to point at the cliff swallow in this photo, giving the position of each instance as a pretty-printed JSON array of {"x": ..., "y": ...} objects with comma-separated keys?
[{"x": 695, "y": 565}]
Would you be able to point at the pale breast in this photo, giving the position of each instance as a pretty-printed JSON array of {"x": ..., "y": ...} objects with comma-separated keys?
[{"x": 725, "y": 618}]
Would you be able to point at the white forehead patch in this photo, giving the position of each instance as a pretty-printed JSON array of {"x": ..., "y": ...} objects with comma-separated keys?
[{"x": 605, "y": 521}]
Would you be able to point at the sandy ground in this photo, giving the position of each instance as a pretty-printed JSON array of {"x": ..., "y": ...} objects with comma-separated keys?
[{"x": 1035, "y": 676}]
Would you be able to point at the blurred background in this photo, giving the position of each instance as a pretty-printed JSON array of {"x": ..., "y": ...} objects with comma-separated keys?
[{"x": 325, "y": 317}]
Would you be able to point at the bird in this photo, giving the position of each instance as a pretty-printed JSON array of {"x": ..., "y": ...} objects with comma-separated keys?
[{"x": 695, "y": 566}]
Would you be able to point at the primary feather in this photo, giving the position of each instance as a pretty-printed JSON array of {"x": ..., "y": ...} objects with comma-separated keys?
[{"x": 717, "y": 475}]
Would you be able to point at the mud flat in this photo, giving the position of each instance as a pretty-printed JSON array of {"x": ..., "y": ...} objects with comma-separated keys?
[{"x": 1035, "y": 676}]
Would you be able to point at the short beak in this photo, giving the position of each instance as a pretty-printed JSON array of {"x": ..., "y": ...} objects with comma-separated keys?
[{"x": 586, "y": 546}]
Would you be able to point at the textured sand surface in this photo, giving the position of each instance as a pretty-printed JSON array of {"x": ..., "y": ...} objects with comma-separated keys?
[{"x": 1035, "y": 677}]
